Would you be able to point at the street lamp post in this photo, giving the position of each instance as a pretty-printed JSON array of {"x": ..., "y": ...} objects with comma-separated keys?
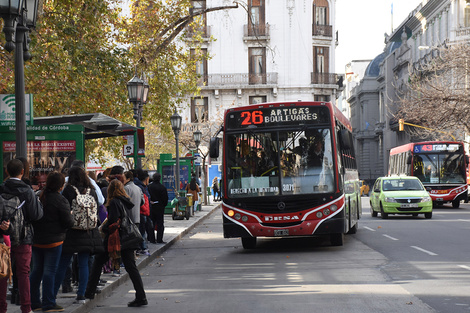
[
  {"x": 138, "y": 90},
  {"x": 175, "y": 121},
  {"x": 19, "y": 17},
  {"x": 197, "y": 135}
]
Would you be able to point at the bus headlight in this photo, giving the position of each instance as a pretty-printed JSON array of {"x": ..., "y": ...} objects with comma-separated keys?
[
  {"x": 319, "y": 214},
  {"x": 238, "y": 216},
  {"x": 230, "y": 213},
  {"x": 244, "y": 218},
  {"x": 333, "y": 208},
  {"x": 426, "y": 199},
  {"x": 326, "y": 211},
  {"x": 389, "y": 199}
]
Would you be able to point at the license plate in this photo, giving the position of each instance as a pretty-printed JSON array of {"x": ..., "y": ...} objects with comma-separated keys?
[
  {"x": 281, "y": 232},
  {"x": 409, "y": 205},
  {"x": 440, "y": 199}
]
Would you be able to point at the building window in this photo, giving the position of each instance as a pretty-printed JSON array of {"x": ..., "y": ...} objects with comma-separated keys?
[
  {"x": 257, "y": 99},
  {"x": 321, "y": 98},
  {"x": 257, "y": 65},
  {"x": 201, "y": 66},
  {"x": 256, "y": 23},
  {"x": 199, "y": 110},
  {"x": 467, "y": 16}
]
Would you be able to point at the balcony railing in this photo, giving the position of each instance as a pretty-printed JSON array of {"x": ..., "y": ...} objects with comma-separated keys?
[
  {"x": 322, "y": 30},
  {"x": 325, "y": 78},
  {"x": 238, "y": 79},
  {"x": 256, "y": 30},
  {"x": 205, "y": 31},
  {"x": 462, "y": 31}
]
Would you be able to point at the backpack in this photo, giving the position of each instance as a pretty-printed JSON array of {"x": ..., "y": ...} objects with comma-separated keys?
[
  {"x": 13, "y": 211},
  {"x": 5, "y": 262},
  {"x": 84, "y": 211}
]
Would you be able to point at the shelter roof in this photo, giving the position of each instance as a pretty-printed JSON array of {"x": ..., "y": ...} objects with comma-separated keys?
[{"x": 96, "y": 125}]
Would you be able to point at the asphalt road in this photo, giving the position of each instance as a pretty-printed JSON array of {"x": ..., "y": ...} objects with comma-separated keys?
[
  {"x": 203, "y": 272},
  {"x": 428, "y": 258}
]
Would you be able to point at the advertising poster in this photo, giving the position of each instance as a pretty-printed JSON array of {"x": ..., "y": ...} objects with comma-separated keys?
[
  {"x": 44, "y": 157},
  {"x": 168, "y": 179}
]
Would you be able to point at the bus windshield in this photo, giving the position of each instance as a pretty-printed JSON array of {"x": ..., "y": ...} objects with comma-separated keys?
[
  {"x": 284, "y": 162},
  {"x": 440, "y": 168}
]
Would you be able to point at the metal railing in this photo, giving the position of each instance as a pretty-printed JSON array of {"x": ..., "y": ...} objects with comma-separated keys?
[
  {"x": 256, "y": 30},
  {"x": 322, "y": 30},
  {"x": 238, "y": 79},
  {"x": 324, "y": 78}
]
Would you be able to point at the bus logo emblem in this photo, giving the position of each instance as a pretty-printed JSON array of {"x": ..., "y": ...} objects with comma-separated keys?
[{"x": 281, "y": 206}]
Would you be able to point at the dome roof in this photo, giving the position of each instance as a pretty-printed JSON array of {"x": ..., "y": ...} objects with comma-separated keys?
[{"x": 373, "y": 69}]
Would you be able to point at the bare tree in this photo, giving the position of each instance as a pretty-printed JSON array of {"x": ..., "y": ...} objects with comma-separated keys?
[{"x": 437, "y": 94}]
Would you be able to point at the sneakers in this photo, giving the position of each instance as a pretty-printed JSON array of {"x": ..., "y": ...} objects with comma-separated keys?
[
  {"x": 116, "y": 273},
  {"x": 79, "y": 300},
  {"x": 137, "y": 303},
  {"x": 144, "y": 252},
  {"x": 56, "y": 308}
]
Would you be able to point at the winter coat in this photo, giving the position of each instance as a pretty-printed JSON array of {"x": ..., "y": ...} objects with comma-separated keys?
[
  {"x": 116, "y": 208},
  {"x": 158, "y": 197},
  {"x": 137, "y": 198},
  {"x": 77, "y": 240},
  {"x": 32, "y": 209},
  {"x": 51, "y": 228}
]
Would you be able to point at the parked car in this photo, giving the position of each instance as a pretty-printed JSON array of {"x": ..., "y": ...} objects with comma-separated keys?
[
  {"x": 400, "y": 195},
  {"x": 364, "y": 189}
]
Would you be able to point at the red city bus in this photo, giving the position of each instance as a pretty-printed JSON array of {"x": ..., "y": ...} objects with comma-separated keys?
[
  {"x": 288, "y": 170},
  {"x": 440, "y": 165}
]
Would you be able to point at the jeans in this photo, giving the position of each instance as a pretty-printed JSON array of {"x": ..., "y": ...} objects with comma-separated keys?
[
  {"x": 83, "y": 271},
  {"x": 22, "y": 256},
  {"x": 45, "y": 263},
  {"x": 143, "y": 230}
]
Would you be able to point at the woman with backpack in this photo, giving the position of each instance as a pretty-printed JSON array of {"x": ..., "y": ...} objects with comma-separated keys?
[
  {"x": 83, "y": 237},
  {"x": 49, "y": 235},
  {"x": 119, "y": 207}
]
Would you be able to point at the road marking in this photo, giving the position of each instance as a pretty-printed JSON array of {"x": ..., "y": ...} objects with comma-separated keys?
[
  {"x": 423, "y": 250},
  {"x": 464, "y": 220},
  {"x": 390, "y": 237},
  {"x": 368, "y": 228},
  {"x": 465, "y": 267}
]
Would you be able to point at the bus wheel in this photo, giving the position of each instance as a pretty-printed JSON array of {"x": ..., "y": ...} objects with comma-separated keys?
[
  {"x": 337, "y": 239},
  {"x": 456, "y": 204},
  {"x": 249, "y": 242}
]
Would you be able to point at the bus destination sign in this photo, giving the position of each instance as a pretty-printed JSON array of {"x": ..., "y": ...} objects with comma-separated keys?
[
  {"x": 265, "y": 117},
  {"x": 441, "y": 147}
]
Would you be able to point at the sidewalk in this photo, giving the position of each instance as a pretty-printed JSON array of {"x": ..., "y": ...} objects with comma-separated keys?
[{"x": 174, "y": 230}]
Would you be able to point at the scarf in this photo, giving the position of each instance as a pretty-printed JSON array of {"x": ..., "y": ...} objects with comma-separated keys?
[{"x": 114, "y": 245}]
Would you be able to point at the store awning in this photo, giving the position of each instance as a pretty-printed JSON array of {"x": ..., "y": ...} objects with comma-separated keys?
[{"x": 97, "y": 125}]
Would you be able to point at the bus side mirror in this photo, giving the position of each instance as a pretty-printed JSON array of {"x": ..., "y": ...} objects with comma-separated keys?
[
  {"x": 214, "y": 148},
  {"x": 408, "y": 161}
]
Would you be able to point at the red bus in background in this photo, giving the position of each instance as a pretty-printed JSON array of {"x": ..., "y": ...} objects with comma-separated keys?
[
  {"x": 442, "y": 167},
  {"x": 288, "y": 170}
]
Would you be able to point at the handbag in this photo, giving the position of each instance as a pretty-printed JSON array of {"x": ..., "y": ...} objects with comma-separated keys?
[
  {"x": 5, "y": 262},
  {"x": 129, "y": 233}
]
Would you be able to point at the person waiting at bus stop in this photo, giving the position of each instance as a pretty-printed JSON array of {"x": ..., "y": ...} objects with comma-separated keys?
[{"x": 193, "y": 189}]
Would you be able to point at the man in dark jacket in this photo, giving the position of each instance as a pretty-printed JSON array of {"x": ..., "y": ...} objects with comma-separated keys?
[
  {"x": 158, "y": 202},
  {"x": 21, "y": 254}
]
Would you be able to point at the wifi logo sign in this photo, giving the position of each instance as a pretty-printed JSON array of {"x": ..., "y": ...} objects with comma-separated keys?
[{"x": 9, "y": 100}]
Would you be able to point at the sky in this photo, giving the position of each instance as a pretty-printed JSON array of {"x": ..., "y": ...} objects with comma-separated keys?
[{"x": 361, "y": 25}]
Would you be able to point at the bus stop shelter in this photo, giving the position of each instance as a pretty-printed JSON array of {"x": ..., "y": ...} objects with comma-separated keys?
[{"x": 54, "y": 142}]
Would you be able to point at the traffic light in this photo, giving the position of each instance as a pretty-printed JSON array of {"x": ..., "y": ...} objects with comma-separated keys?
[{"x": 401, "y": 125}]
